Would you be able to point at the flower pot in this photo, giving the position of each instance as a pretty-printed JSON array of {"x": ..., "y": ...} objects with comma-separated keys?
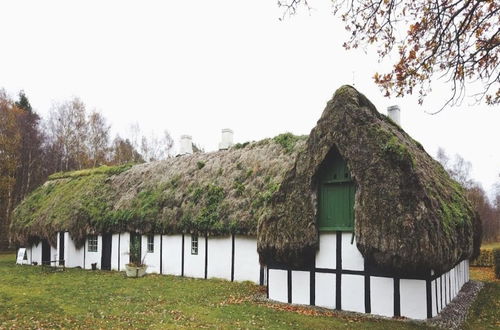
[
  {"x": 135, "y": 271},
  {"x": 94, "y": 266}
]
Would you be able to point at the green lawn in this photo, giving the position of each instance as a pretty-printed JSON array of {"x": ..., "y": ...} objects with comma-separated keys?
[{"x": 33, "y": 298}]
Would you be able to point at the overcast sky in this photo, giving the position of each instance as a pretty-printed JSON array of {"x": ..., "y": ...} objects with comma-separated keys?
[{"x": 195, "y": 67}]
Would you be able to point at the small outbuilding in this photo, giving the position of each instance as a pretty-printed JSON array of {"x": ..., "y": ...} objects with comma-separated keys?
[{"x": 356, "y": 216}]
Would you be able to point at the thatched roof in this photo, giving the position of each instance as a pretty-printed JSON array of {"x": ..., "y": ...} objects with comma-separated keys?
[
  {"x": 216, "y": 193},
  {"x": 410, "y": 216}
]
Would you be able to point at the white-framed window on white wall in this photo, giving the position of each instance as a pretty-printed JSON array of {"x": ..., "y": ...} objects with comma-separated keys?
[
  {"x": 151, "y": 244},
  {"x": 92, "y": 243},
  {"x": 194, "y": 244}
]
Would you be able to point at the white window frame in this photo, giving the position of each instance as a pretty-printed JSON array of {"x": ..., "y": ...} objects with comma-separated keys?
[
  {"x": 92, "y": 243},
  {"x": 194, "y": 244},
  {"x": 151, "y": 244}
]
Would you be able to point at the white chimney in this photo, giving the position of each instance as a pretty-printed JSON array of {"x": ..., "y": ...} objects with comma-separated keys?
[
  {"x": 394, "y": 113},
  {"x": 226, "y": 139},
  {"x": 186, "y": 145}
]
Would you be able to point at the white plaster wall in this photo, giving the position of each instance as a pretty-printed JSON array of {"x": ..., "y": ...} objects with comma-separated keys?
[
  {"x": 351, "y": 257},
  {"x": 278, "y": 290},
  {"x": 353, "y": 293},
  {"x": 23, "y": 261},
  {"x": 325, "y": 290},
  {"x": 172, "y": 253},
  {"x": 219, "y": 257},
  {"x": 301, "y": 287},
  {"x": 382, "y": 295},
  {"x": 433, "y": 298},
  {"x": 151, "y": 259},
  {"x": 72, "y": 255},
  {"x": 326, "y": 256},
  {"x": 37, "y": 253},
  {"x": 446, "y": 291},
  {"x": 57, "y": 250},
  {"x": 453, "y": 284},
  {"x": 124, "y": 250},
  {"x": 194, "y": 264},
  {"x": 437, "y": 300},
  {"x": 413, "y": 299},
  {"x": 246, "y": 259},
  {"x": 53, "y": 255},
  {"x": 115, "y": 238},
  {"x": 92, "y": 257},
  {"x": 28, "y": 256}
]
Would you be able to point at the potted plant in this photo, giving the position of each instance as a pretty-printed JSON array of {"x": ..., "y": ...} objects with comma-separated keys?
[{"x": 136, "y": 266}]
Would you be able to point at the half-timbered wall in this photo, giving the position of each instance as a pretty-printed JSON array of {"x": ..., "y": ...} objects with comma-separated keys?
[
  {"x": 231, "y": 257},
  {"x": 340, "y": 281}
]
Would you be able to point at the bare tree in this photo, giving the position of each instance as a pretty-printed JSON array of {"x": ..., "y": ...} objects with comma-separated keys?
[{"x": 68, "y": 131}]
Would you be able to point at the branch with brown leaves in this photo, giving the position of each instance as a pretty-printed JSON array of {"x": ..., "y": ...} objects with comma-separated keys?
[{"x": 456, "y": 40}]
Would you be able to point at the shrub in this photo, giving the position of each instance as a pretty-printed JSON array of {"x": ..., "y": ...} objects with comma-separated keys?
[
  {"x": 496, "y": 261},
  {"x": 485, "y": 259}
]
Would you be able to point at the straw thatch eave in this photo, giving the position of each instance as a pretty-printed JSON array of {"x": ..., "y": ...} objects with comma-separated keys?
[{"x": 410, "y": 216}]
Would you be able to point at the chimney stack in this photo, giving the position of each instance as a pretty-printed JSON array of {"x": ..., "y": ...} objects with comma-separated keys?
[
  {"x": 394, "y": 113},
  {"x": 186, "y": 145},
  {"x": 226, "y": 139}
]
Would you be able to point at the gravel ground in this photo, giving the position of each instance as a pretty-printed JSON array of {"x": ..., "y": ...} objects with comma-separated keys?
[{"x": 454, "y": 315}]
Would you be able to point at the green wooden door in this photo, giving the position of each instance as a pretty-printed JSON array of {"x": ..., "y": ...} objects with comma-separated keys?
[{"x": 336, "y": 195}]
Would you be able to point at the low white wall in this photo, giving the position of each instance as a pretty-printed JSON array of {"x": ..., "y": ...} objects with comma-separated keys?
[
  {"x": 301, "y": 287},
  {"x": 219, "y": 257},
  {"x": 382, "y": 295},
  {"x": 120, "y": 245},
  {"x": 447, "y": 286},
  {"x": 73, "y": 257},
  {"x": 194, "y": 264},
  {"x": 53, "y": 255},
  {"x": 279, "y": 289},
  {"x": 93, "y": 257},
  {"x": 326, "y": 256},
  {"x": 353, "y": 293},
  {"x": 246, "y": 259},
  {"x": 351, "y": 257},
  {"x": 152, "y": 259},
  {"x": 413, "y": 299},
  {"x": 172, "y": 254},
  {"x": 325, "y": 290},
  {"x": 36, "y": 253}
]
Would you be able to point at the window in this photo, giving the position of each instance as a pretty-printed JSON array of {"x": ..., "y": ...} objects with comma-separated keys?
[
  {"x": 151, "y": 244},
  {"x": 92, "y": 243},
  {"x": 194, "y": 244}
]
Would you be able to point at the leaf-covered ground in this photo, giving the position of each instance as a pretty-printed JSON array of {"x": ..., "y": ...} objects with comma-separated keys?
[{"x": 31, "y": 297}]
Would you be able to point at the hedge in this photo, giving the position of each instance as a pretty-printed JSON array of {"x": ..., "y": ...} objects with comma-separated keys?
[{"x": 496, "y": 261}]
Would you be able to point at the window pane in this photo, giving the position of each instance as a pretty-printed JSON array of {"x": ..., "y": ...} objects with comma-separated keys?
[
  {"x": 151, "y": 244},
  {"x": 194, "y": 244}
]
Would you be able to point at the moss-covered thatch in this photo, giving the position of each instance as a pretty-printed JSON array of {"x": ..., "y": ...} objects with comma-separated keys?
[
  {"x": 410, "y": 216},
  {"x": 216, "y": 193}
]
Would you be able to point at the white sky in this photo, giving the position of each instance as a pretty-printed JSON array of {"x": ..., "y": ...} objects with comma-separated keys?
[{"x": 195, "y": 67}]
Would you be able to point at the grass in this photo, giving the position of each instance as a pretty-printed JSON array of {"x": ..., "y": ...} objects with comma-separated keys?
[
  {"x": 485, "y": 312},
  {"x": 33, "y": 298}
]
